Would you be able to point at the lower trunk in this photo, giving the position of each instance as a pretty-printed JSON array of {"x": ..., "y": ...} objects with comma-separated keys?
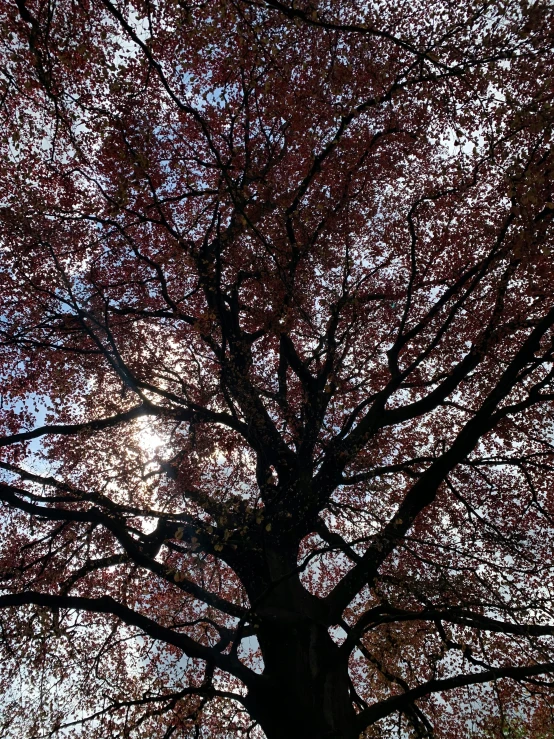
[{"x": 306, "y": 690}]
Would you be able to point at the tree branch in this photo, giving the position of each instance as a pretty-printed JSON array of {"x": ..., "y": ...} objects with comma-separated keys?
[{"x": 108, "y": 605}]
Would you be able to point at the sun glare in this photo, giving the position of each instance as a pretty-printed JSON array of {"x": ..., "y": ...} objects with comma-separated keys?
[{"x": 148, "y": 440}]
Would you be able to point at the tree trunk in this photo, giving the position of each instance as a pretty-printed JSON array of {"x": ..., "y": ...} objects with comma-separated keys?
[
  {"x": 305, "y": 693},
  {"x": 307, "y": 690}
]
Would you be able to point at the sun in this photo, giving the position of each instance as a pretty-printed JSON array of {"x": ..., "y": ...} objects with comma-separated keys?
[{"x": 147, "y": 438}]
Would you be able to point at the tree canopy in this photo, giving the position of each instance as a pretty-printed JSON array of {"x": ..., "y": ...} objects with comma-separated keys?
[{"x": 277, "y": 362}]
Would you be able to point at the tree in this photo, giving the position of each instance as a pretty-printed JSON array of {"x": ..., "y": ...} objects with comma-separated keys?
[{"x": 277, "y": 338}]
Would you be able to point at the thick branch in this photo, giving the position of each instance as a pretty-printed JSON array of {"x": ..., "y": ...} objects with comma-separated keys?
[
  {"x": 108, "y": 605},
  {"x": 11, "y": 495},
  {"x": 77, "y": 428},
  {"x": 422, "y": 494},
  {"x": 401, "y": 702}
]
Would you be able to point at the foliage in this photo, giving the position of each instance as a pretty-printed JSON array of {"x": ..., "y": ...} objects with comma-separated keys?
[{"x": 276, "y": 336}]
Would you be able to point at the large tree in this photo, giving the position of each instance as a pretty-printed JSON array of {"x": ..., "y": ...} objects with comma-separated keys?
[{"x": 277, "y": 355}]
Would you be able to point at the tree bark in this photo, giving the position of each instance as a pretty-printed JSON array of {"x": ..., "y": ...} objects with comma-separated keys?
[{"x": 305, "y": 692}]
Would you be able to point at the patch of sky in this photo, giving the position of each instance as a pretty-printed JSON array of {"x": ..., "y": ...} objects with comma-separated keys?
[{"x": 249, "y": 654}]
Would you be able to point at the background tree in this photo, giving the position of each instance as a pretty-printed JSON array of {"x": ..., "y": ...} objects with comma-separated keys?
[{"x": 277, "y": 368}]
